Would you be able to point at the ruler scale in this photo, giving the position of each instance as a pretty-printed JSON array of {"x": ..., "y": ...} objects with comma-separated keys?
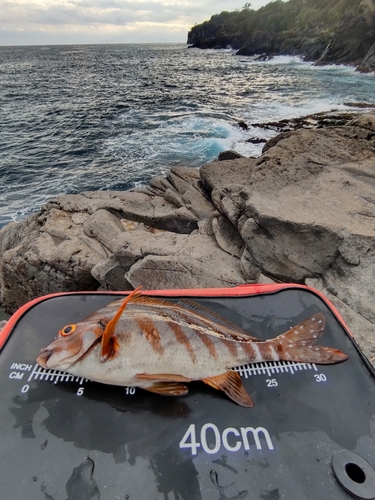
[
  {"x": 265, "y": 368},
  {"x": 55, "y": 376},
  {"x": 271, "y": 367}
]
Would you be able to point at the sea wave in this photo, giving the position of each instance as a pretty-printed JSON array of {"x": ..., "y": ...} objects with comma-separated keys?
[{"x": 112, "y": 117}]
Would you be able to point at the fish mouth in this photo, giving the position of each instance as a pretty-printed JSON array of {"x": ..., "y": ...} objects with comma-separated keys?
[
  {"x": 49, "y": 359},
  {"x": 44, "y": 356}
]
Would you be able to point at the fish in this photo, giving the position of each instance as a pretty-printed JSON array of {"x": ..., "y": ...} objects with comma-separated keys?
[{"x": 160, "y": 346}]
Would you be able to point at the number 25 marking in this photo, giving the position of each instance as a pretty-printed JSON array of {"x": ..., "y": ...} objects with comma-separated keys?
[{"x": 271, "y": 382}]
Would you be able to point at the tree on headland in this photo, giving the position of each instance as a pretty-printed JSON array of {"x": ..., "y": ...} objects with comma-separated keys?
[{"x": 277, "y": 27}]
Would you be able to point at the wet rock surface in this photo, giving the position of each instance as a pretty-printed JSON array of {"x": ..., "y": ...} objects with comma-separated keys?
[{"x": 303, "y": 212}]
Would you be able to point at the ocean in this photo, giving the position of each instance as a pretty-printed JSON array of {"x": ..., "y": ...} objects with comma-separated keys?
[{"x": 100, "y": 117}]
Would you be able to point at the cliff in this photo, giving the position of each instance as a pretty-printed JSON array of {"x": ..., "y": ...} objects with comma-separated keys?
[
  {"x": 302, "y": 212},
  {"x": 327, "y": 32}
]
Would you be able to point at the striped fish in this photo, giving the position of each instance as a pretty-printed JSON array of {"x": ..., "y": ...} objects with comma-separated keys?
[{"x": 160, "y": 345}]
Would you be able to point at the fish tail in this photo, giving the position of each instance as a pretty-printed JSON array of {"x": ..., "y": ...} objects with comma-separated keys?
[{"x": 297, "y": 344}]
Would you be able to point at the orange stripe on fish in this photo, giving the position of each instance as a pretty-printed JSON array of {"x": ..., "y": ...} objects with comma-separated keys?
[
  {"x": 182, "y": 339},
  {"x": 268, "y": 351},
  {"x": 231, "y": 346},
  {"x": 209, "y": 344},
  {"x": 150, "y": 333},
  {"x": 249, "y": 351}
]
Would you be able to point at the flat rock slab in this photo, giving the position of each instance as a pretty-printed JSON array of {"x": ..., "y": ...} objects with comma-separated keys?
[
  {"x": 179, "y": 261},
  {"x": 195, "y": 260},
  {"x": 134, "y": 205}
]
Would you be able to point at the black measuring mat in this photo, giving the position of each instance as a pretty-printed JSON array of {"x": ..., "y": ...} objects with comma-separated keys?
[{"x": 310, "y": 434}]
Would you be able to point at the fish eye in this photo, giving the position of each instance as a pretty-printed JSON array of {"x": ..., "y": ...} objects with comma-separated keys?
[{"x": 68, "y": 330}]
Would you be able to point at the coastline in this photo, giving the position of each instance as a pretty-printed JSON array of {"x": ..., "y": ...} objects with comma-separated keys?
[
  {"x": 338, "y": 37},
  {"x": 301, "y": 212}
]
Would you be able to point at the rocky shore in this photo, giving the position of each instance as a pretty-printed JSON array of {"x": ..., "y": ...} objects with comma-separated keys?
[
  {"x": 283, "y": 29},
  {"x": 302, "y": 212}
]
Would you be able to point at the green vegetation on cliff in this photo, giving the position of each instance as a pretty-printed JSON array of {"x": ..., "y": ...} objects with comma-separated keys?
[{"x": 292, "y": 27}]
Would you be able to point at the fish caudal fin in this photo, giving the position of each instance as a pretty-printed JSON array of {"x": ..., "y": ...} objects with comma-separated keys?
[
  {"x": 230, "y": 383},
  {"x": 297, "y": 344}
]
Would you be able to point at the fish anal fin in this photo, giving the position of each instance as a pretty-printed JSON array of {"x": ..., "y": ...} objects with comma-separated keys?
[
  {"x": 163, "y": 377},
  {"x": 230, "y": 383},
  {"x": 297, "y": 344},
  {"x": 168, "y": 388}
]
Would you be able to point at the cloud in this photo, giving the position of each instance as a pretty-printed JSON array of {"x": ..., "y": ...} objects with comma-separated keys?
[{"x": 95, "y": 21}]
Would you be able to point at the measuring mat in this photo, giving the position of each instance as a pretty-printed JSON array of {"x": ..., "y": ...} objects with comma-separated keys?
[{"x": 310, "y": 434}]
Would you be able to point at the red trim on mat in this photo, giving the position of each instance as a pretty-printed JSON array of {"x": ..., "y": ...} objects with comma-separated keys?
[{"x": 238, "y": 291}]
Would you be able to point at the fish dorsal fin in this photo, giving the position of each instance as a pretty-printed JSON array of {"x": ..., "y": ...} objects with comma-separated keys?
[
  {"x": 106, "y": 349},
  {"x": 210, "y": 315},
  {"x": 147, "y": 300},
  {"x": 230, "y": 383},
  {"x": 231, "y": 331}
]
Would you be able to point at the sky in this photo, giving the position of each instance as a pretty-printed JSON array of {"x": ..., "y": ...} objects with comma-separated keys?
[{"x": 44, "y": 22}]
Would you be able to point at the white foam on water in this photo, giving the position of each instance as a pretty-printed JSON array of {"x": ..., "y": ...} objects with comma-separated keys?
[
  {"x": 261, "y": 112},
  {"x": 189, "y": 140},
  {"x": 283, "y": 60}
]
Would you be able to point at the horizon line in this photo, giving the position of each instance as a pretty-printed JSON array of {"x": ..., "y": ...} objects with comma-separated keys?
[{"x": 90, "y": 43}]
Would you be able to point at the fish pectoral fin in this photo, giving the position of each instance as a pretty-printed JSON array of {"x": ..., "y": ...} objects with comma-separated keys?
[
  {"x": 106, "y": 350},
  {"x": 112, "y": 347},
  {"x": 163, "y": 377},
  {"x": 168, "y": 388},
  {"x": 230, "y": 383}
]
